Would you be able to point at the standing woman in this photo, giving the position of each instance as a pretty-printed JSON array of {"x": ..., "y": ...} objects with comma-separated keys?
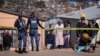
[
  {"x": 59, "y": 35},
  {"x": 66, "y": 34}
]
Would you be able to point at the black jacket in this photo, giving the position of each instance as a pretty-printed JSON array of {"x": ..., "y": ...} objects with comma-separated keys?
[
  {"x": 80, "y": 25},
  {"x": 7, "y": 40},
  {"x": 50, "y": 39},
  {"x": 94, "y": 32},
  {"x": 83, "y": 41}
]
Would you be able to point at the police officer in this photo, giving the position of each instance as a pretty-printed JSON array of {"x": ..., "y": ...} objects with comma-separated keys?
[
  {"x": 21, "y": 26},
  {"x": 33, "y": 23}
]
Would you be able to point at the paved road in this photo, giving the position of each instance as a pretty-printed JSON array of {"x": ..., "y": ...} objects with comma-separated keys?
[{"x": 55, "y": 52}]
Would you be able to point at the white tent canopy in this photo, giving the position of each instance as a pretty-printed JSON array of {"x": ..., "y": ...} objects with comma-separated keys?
[{"x": 91, "y": 12}]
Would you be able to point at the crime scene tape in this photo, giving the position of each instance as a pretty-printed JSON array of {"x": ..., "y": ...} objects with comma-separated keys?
[
  {"x": 73, "y": 28},
  {"x": 57, "y": 28}
]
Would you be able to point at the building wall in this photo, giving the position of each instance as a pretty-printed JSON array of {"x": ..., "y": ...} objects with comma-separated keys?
[
  {"x": 7, "y": 19},
  {"x": 73, "y": 38}
]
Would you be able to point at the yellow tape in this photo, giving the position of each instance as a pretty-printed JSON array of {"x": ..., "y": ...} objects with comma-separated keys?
[
  {"x": 60, "y": 28},
  {"x": 74, "y": 28}
]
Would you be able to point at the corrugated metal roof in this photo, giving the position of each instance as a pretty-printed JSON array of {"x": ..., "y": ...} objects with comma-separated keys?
[{"x": 91, "y": 12}]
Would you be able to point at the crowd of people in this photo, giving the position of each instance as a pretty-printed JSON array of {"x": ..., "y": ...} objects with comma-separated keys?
[
  {"x": 87, "y": 38},
  {"x": 52, "y": 40},
  {"x": 58, "y": 38}
]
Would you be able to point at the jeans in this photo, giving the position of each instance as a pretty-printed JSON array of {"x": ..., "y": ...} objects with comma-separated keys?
[
  {"x": 22, "y": 38},
  {"x": 80, "y": 48},
  {"x": 34, "y": 34}
]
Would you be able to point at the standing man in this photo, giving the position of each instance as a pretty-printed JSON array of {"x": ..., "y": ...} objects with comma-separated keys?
[
  {"x": 33, "y": 23},
  {"x": 22, "y": 34}
]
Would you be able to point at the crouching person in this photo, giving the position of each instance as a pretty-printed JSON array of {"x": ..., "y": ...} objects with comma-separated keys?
[
  {"x": 22, "y": 34},
  {"x": 50, "y": 40},
  {"x": 84, "y": 43}
]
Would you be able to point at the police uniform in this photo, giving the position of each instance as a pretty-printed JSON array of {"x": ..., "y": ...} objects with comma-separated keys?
[
  {"x": 33, "y": 23},
  {"x": 21, "y": 26}
]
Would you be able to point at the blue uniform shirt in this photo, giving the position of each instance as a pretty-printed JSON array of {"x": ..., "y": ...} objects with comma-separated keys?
[
  {"x": 20, "y": 24},
  {"x": 33, "y": 23}
]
